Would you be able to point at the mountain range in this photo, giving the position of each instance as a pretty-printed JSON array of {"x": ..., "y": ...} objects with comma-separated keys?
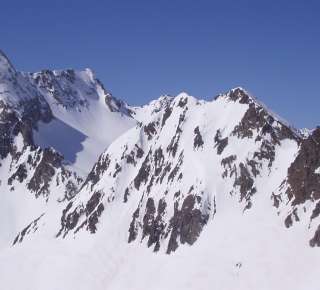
[{"x": 180, "y": 193}]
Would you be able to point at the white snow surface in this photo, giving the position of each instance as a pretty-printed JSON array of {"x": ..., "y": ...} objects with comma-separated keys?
[{"x": 235, "y": 251}]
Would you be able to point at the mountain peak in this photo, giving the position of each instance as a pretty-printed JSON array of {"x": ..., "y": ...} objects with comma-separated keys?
[
  {"x": 238, "y": 94},
  {"x": 242, "y": 96},
  {"x": 13, "y": 87},
  {"x": 6, "y": 66},
  {"x": 183, "y": 94}
]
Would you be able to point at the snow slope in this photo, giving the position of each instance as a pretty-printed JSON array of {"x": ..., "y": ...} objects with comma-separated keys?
[
  {"x": 254, "y": 253},
  {"x": 85, "y": 121}
]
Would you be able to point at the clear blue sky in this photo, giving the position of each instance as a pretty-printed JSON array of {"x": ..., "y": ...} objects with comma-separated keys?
[{"x": 142, "y": 49}]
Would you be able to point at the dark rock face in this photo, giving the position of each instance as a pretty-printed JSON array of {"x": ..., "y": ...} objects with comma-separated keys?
[
  {"x": 253, "y": 119},
  {"x": 7, "y": 120},
  {"x": 276, "y": 200},
  {"x": 240, "y": 95},
  {"x": 71, "y": 189},
  {"x": 302, "y": 177},
  {"x": 134, "y": 226},
  {"x": 186, "y": 224},
  {"x": 94, "y": 209},
  {"x": 289, "y": 219},
  {"x": 244, "y": 175},
  {"x": 245, "y": 183},
  {"x": 150, "y": 130},
  {"x": 44, "y": 172},
  {"x": 68, "y": 220},
  {"x": 229, "y": 166},
  {"x": 143, "y": 173},
  {"x": 93, "y": 202},
  {"x": 254, "y": 166},
  {"x": 148, "y": 218},
  {"x": 152, "y": 223},
  {"x": 176, "y": 169},
  {"x": 20, "y": 174},
  {"x": 173, "y": 146},
  {"x": 47, "y": 80},
  {"x": 117, "y": 170},
  {"x": 315, "y": 241},
  {"x": 198, "y": 141},
  {"x": 158, "y": 225},
  {"x": 183, "y": 102},
  {"x": 258, "y": 119},
  {"x": 303, "y": 181},
  {"x": 126, "y": 194},
  {"x": 31, "y": 228},
  {"x": 133, "y": 155},
  {"x": 64, "y": 94},
  {"x": 90, "y": 214},
  {"x": 62, "y": 86},
  {"x": 316, "y": 211},
  {"x": 41, "y": 170},
  {"x": 166, "y": 115},
  {"x": 220, "y": 143},
  {"x": 114, "y": 104},
  {"x": 267, "y": 152},
  {"x": 158, "y": 158},
  {"x": 99, "y": 168},
  {"x": 11, "y": 124}
]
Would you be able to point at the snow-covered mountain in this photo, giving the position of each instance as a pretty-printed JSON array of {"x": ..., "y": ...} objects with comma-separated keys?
[
  {"x": 53, "y": 126},
  {"x": 178, "y": 194},
  {"x": 86, "y": 116}
]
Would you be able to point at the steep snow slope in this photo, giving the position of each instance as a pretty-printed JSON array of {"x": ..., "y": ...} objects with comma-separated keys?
[{"x": 86, "y": 117}]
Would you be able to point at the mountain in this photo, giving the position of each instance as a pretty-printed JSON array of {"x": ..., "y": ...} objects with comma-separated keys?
[
  {"x": 186, "y": 193},
  {"x": 87, "y": 117},
  {"x": 54, "y": 125}
]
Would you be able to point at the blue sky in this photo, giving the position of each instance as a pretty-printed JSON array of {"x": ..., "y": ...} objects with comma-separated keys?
[{"x": 142, "y": 49}]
